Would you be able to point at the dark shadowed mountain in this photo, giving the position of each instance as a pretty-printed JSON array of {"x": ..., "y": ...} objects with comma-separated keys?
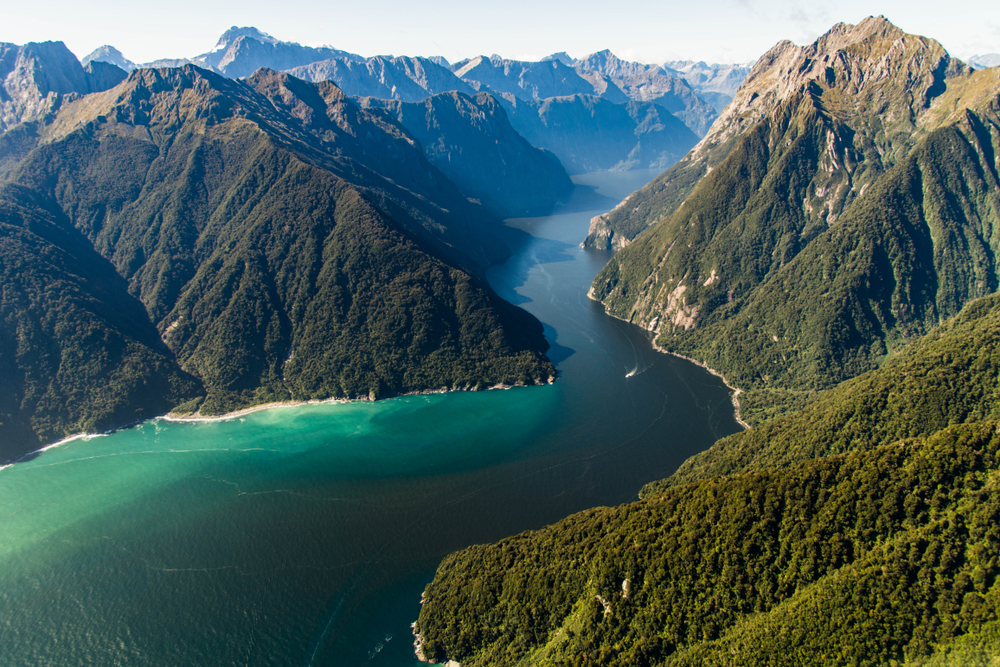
[
  {"x": 471, "y": 140},
  {"x": 282, "y": 243}
]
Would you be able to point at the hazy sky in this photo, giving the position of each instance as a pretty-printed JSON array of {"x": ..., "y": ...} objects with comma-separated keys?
[{"x": 711, "y": 30}]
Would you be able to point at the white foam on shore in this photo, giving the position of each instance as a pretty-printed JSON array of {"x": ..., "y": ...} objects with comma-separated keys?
[
  {"x": 78, "y": 436},
  {"x": 197, "y": 418}
]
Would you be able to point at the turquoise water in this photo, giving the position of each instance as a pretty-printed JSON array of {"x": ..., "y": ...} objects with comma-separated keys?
[{"x": 303, "y": 536}]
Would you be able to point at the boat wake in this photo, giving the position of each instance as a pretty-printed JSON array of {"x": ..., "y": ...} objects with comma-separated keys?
[{"x": 637, "y": 371}]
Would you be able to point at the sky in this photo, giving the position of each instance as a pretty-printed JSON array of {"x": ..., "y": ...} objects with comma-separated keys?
[{"x": 724, "y": 31}]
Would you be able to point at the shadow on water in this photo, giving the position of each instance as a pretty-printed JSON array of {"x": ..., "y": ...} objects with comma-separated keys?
[
  {"x": 586, "y": 198},
  {"x": 529, "y": 251},
  {"x": 557, "y": 353}
]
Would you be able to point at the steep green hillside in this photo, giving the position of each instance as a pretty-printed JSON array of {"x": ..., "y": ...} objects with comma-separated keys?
[
  {"x": 948, "y": 377},
  {"x": 77, "y": 352},
  {"x": 284, "y": 243},
  {"x": 866, "y": 88},
  {"x": 885, "y": 553},
  {"x": 805, "y": 257}
]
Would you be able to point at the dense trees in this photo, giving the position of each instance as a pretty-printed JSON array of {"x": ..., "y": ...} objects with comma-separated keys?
[
  {"x": 238, "y": 243},
  {"x": 885, "y": 548}
]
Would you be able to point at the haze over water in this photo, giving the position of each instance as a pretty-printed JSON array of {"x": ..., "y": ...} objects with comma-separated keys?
[{"x": 304, "y": 536}]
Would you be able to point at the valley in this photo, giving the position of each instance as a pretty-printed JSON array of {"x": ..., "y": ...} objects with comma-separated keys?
[
  {"x": 317, "y": 358},
  {"x": 309, "y": 532}
]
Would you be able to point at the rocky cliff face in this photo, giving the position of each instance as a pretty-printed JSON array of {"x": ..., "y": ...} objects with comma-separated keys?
[{"x": 37, "y": 78}]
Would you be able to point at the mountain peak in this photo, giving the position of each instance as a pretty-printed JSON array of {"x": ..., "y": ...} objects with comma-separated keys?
[
  {"x": 108, "y": 54},
  {"x": 876, "y": 64},
  {"x": 562, "y": 57},
  {"x": 599, "y": 60},
  {"x": 234, "y": 33},
  {"x": 985, "y": 60}
]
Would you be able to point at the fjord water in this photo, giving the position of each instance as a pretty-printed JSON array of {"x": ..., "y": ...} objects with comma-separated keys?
[{"x": 304, "y": 536}]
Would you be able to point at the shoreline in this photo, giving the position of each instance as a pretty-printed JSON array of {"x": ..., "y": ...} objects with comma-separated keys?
[
  {"x": 66, "y": 440},
  {"x": 736, "y": 390},
  {"x": 278, "y": 405}
]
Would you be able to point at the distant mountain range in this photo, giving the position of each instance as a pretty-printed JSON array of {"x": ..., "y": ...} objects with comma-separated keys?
[
  {"x": 602, "y": 136},
  {"x": 985, "y": 60},
  {"x": 716, "y": 84},
  {"x": 402, "y": 78}
]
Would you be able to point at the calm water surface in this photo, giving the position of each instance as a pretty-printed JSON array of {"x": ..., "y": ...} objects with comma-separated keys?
[{"x": 304, "y": 536}]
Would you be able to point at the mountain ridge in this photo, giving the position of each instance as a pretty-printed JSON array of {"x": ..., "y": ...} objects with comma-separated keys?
[
  {"x": 284, "y": 243},
  {"x": 784, "y": 70},
  {"x": 38, "y": 77},
  {"x": 835, "y": 230}
]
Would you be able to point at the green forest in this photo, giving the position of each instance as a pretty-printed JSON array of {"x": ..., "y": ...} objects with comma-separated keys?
[
  {"x": 190, "y": 243},
  {"x": 830, "y": 249},
  {"x": 884, "y": 548}
]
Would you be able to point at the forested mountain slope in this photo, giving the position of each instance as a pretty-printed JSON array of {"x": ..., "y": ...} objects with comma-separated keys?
[
  {"x": 284, "y": 243},
  {"x": 813, "y": 250},
  {"x": 883, "y": 554},
  {"x": 861, "y": 88},
  {"x": 77, "y": 351}
]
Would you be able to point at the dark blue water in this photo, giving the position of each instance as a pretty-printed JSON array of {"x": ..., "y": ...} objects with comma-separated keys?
[{"x": 304, "y": 536}]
